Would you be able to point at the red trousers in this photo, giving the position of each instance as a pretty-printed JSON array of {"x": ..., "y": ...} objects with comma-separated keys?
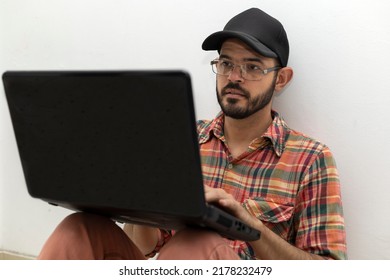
[{"x": 82, "y": 236}]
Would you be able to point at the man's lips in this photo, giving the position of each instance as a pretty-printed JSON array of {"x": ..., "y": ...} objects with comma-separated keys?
[{"x": 233, "y": 93}]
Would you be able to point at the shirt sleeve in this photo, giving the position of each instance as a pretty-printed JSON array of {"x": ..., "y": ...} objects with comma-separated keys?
[{"x": 318, "y": 218}]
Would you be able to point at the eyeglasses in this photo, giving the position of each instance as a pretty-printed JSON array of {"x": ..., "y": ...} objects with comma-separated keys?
[{"x": 249, "y": 71}]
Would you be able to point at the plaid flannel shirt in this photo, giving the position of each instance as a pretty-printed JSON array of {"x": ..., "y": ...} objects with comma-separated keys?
[{"x": 286, "y": 179}]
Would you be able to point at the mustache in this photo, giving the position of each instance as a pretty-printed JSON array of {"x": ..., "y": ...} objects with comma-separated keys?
[{"x": 234, "y": 86}]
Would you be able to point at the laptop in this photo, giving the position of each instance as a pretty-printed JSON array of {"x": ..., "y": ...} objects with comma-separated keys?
[{"x": 117, "y": 143}]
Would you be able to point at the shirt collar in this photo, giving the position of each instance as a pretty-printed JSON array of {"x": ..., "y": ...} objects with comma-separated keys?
[{"x": 277, "y": 132}]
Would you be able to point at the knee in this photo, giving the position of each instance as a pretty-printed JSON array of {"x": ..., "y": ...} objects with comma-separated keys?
[
  {"x": 74, "y": 220},
  {"x": 200, "y": 235},
  {"x": 190, "y": 238},
  {"x": 200, "y": 244},
  {"x": 81, "y": 221}
]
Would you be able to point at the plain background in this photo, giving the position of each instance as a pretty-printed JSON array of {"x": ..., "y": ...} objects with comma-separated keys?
[{"x": 339, "y": 94}]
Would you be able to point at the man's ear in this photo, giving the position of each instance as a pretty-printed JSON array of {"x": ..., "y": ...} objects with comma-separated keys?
[{"x": 284, "y": 77}]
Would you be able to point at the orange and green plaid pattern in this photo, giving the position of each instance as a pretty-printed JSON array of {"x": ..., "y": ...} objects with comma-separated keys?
[{"x": 286, "y": 179}]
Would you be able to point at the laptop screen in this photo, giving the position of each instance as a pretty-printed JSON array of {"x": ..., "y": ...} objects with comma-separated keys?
[{"x": 114, "y": 139}]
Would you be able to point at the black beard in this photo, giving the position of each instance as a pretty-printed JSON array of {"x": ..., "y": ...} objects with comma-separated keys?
[{"x": 254, "y": 105}]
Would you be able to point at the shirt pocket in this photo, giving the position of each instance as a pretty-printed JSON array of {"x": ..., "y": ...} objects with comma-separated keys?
[{"x": 276, "y": 215}]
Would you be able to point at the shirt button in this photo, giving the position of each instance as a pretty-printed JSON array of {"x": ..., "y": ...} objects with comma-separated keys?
[{"x": 230, "y": 166}]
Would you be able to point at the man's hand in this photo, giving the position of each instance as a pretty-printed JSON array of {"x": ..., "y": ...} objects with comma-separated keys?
[
  {"x": 225, "y": 200},
  {"x": 270, "y": 245}
]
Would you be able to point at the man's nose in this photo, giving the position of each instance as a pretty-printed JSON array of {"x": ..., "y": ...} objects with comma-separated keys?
[{"x": 236, "y": 74}]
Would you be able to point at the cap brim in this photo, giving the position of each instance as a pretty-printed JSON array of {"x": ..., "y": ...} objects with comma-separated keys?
[{"x": 215, "y": 41}]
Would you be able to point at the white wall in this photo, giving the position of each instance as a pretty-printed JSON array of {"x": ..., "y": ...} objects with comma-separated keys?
[{"x": 339, "y": 50}]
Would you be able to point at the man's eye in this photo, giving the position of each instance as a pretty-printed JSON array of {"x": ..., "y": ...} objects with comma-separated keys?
[
  {"x": 252, "y": 67},
  {"x": 226, "y": 64}
]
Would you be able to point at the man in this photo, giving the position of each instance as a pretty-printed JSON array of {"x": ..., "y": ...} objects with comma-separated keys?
[{"x": 275, "y": 179}]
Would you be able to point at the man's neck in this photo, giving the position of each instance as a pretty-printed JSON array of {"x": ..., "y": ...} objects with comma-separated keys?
[{"x": 239, "y": 133}]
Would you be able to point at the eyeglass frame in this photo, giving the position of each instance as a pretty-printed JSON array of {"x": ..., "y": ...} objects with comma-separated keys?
[{"x": 243, "y": 72}]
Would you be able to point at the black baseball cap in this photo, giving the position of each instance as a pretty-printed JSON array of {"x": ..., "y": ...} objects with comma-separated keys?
[{"x": 260, "y": 31}]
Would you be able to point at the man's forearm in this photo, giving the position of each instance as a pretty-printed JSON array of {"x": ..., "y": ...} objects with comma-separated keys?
[
  {"x": 144, "y": 237},
  {"x": 273, "y": 247}
]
